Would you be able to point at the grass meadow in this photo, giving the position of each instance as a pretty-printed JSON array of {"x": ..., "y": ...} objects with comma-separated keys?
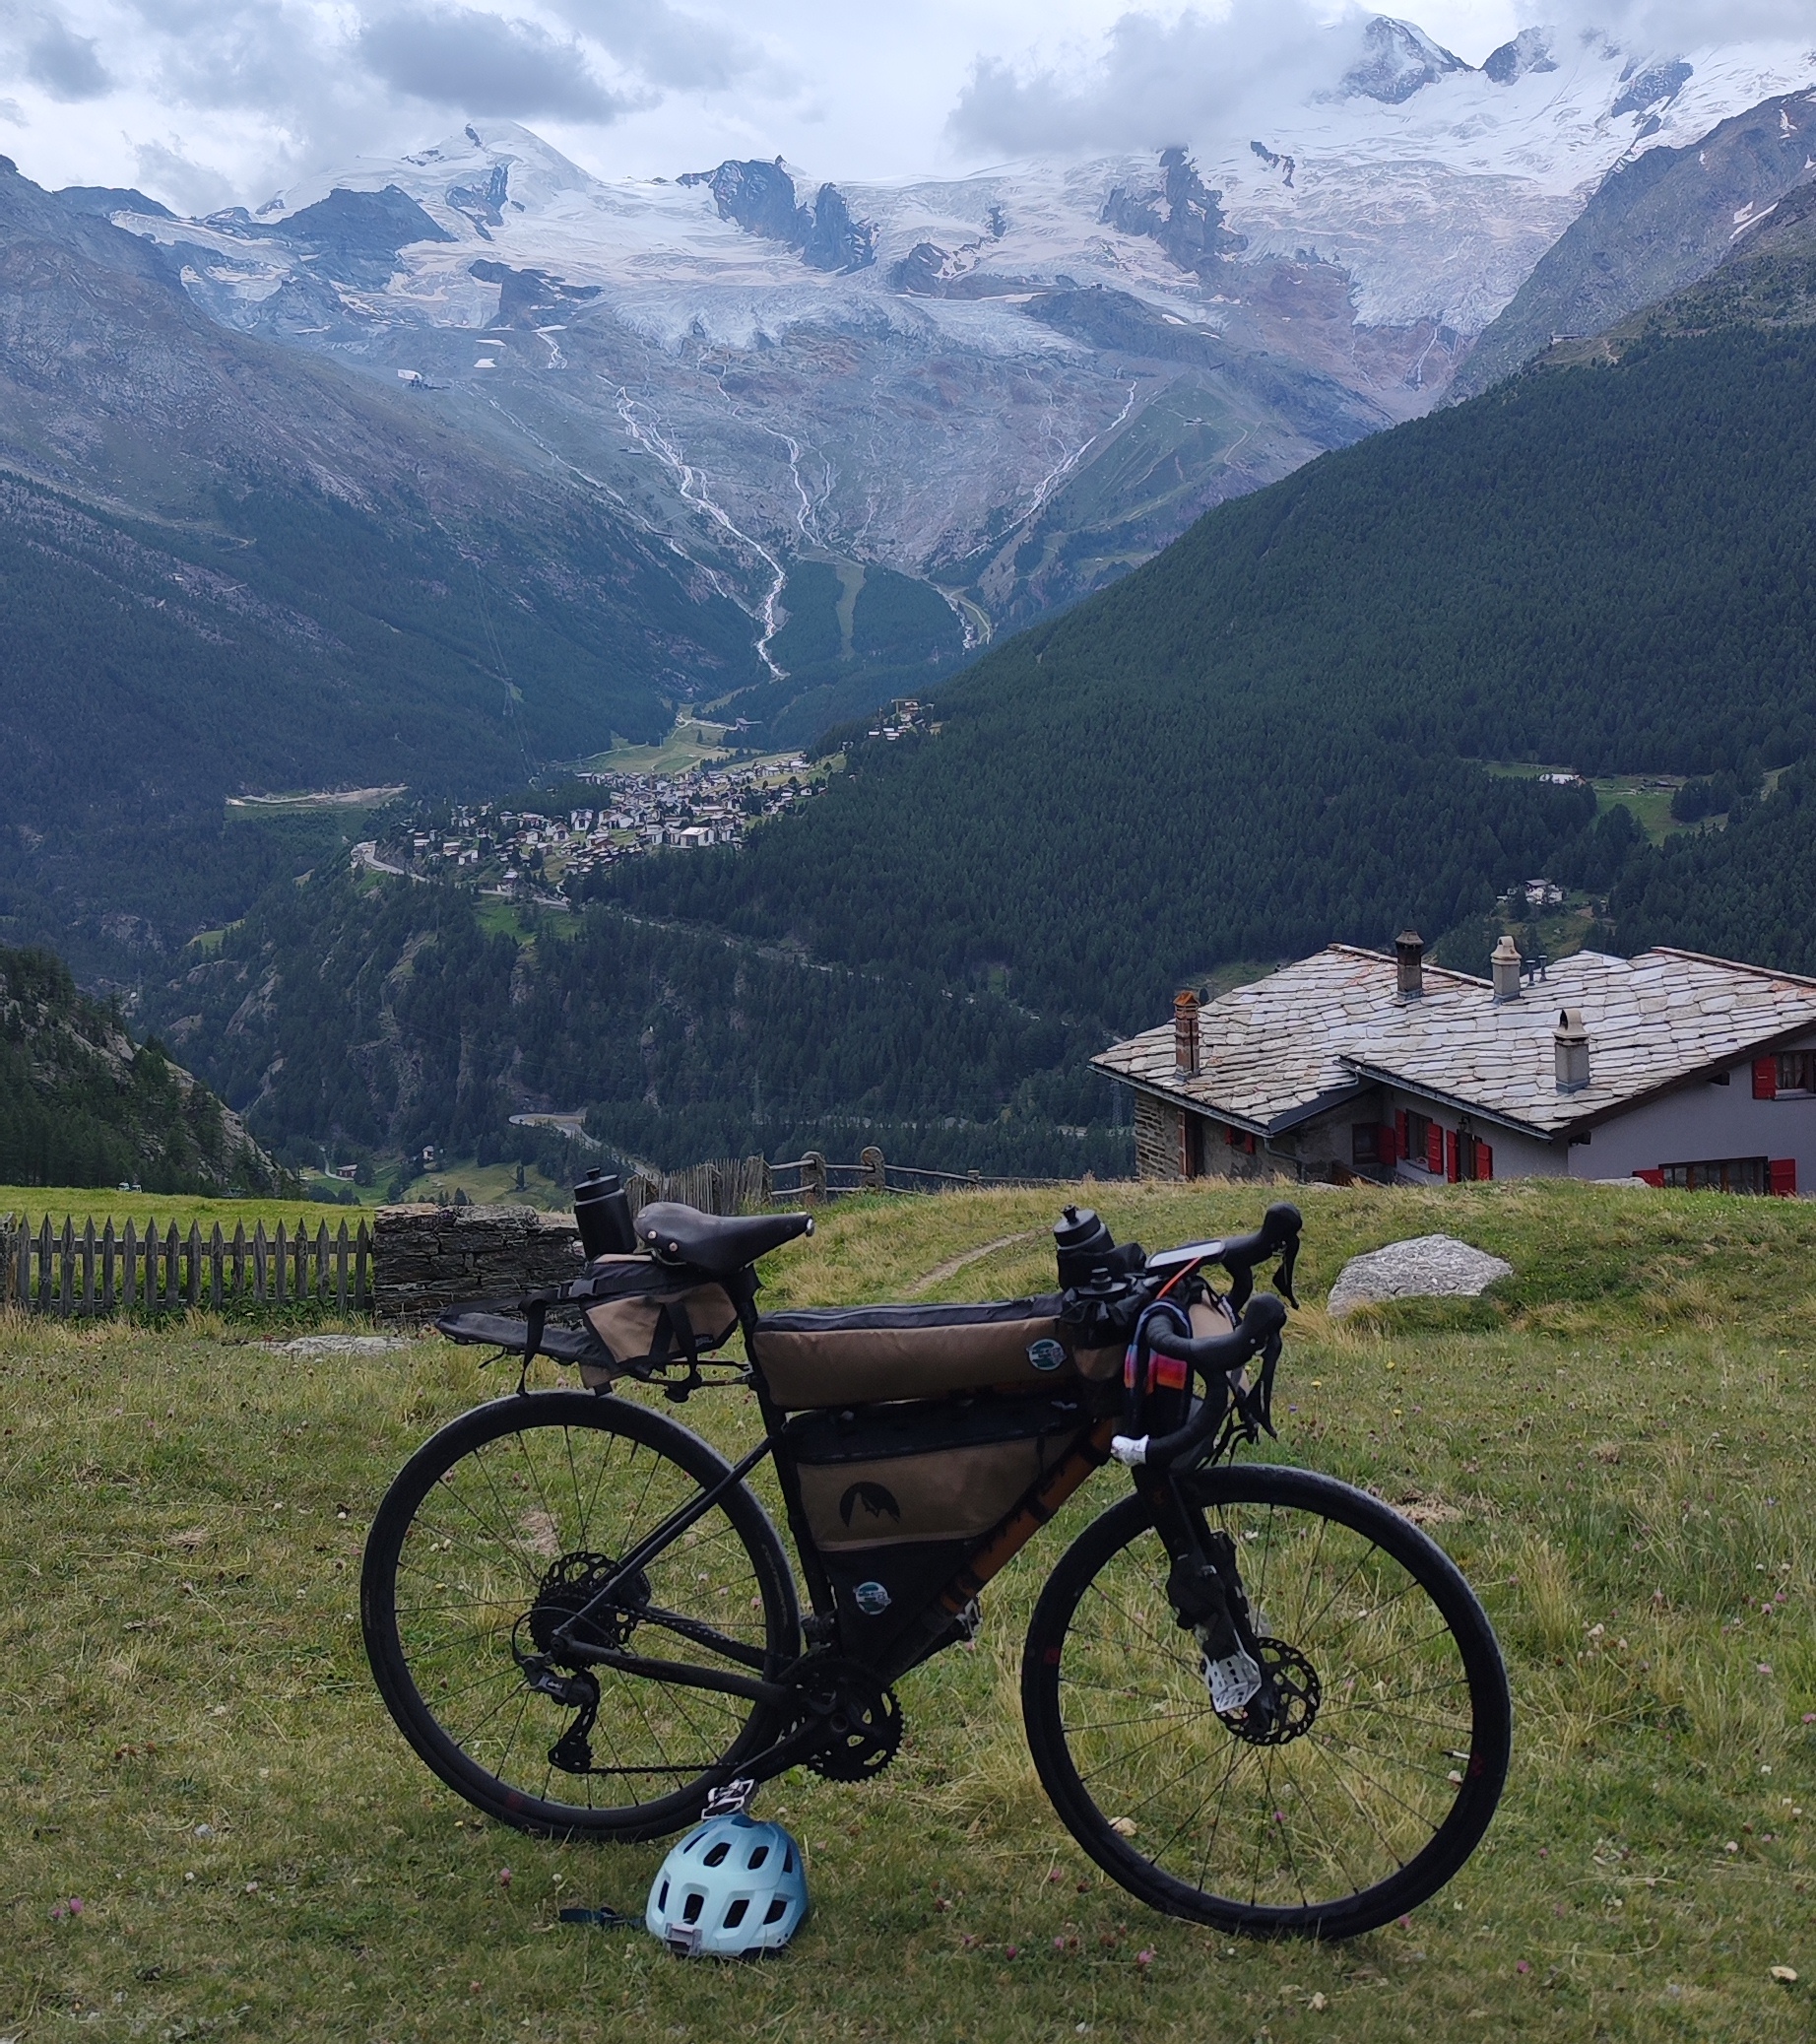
[{"x": 212, "y": 1829}]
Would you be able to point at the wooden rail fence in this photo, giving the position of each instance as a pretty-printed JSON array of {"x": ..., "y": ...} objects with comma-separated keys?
[
  {"x": 71, "y": 1272},
  {"x": 747, "y": 1185}
]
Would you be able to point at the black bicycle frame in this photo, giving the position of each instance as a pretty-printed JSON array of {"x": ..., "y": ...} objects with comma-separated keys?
[{"x": 921, "y": 1629}]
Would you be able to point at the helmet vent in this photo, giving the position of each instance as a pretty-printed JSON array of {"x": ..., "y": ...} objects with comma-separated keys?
[
  {"x": 691, "y": 1909},
  {"x": 777, "y": 1910},
  {"x": 661, "y": 1900},
  {"x": 788, "y": 1864},
  {"x": 717, "y": 1856},
  {"x": 735, "y": 1915},
  {"x": 758, "y": 1856}
]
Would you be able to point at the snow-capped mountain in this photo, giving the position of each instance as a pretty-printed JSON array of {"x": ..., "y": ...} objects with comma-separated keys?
[{"x": 1016, "y": 382}]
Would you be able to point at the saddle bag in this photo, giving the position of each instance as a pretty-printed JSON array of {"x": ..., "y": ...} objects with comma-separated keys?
[
  {"x": 847, "y": 1355},
  {"x": 648, "y": 1314},
  {"x": 898, "y": 1496}
]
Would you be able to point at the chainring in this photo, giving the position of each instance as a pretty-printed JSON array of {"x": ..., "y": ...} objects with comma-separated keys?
[
  {"x": 860, "y": 1718},
  {"x": 1285, "y": 1706}
]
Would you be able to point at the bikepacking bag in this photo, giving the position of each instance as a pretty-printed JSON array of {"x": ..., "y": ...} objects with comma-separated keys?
[
  {"x": 640, "y": 1317},
  {"x": 847, "y": 1355},
  {"x": 648, "y": 1314},
  {"x": 898, "y": 1496}
]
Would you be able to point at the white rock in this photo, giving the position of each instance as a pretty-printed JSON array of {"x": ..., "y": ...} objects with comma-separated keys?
[
  {"x": 339, "y": 1345},
  {"x": 1426, "y": 1266}
]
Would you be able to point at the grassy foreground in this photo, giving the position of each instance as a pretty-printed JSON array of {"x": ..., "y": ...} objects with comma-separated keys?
[{"x": 211, "y": 1827}]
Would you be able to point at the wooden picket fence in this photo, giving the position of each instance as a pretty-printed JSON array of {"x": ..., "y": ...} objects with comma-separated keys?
[{"x": 76, "y": 1272}]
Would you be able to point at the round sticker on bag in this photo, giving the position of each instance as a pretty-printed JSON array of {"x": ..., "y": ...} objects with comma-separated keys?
[
  {"x": 1046, "y": 1355},
  {"x": 871, "y": 1598}
]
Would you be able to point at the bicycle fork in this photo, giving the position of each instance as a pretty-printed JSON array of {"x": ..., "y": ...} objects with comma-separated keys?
[{"x": 1205, "y": 1590}]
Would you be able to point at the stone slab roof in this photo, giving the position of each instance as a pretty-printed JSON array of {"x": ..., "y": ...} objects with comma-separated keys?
[{"x": 1315, "y": 1032}]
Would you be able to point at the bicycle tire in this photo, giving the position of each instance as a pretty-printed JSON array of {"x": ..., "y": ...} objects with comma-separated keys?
[
  {"x": 1103, "y": 1628},
  {"x": 486, "y": 1513}
]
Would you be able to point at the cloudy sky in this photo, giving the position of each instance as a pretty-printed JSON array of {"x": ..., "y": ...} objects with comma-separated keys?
[{"x": 207, "y": 103}]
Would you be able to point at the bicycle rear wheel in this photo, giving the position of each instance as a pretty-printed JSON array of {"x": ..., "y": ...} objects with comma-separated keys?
[
  {"x": 497, "y": 1531},
  {"x": 1360, "y": 1797}
]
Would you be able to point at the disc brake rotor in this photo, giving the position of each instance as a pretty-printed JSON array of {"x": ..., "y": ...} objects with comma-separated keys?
[{"x": 1285, "y": 1706}]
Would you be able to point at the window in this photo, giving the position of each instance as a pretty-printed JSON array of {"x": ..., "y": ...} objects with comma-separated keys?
[
  {"x": 1418, "y": 1140},
  {"x": 1721, "y": 1174},
  {"x": 1475, "y": 1158},
  {"x": 1796, "y": 1073},
  {"x": 1364, "y": 1143}
]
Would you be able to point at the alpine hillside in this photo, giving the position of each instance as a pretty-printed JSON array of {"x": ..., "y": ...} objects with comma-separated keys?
[
  {"x": 1014, "y": 384},
  {"x": 82, "y": 1104}
]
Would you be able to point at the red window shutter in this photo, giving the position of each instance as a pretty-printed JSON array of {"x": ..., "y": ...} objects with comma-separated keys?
[
  {"x": 1402, "y": 1144},
  {"x": 1388, "y": 1143},
  {"x": 1434, "y": 1149},
  {"x": 1232, "y": 1136},
  {"x": 1453, "y": 1157},
  {"x": 1783, "y": 1171},
  {"x": 1650, "y": 1177},
  {"x": 1765, "y": 1078},
  {"x": 1484, "y": 1161},
  {"x": 1248, "y": 1144}
]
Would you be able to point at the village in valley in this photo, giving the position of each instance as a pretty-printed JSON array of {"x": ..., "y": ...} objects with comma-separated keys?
[
  {"x": 695, "y": 790},
  {"x": 530, "y": 854}
]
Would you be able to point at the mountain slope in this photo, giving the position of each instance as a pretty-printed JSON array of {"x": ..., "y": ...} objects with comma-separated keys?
[
  {"x": 227, "y": 567},
  {"x": 1262, "y": 739},
  {"x": 1660, "y": 222},
  {"x": 1015, "y": 383},
  {"x": 80, "y": 1104},
  {"x": 384, "y": 1015}
]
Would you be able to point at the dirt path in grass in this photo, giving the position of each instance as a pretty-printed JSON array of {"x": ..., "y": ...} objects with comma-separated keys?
[{"x": 942, "y": 1272}]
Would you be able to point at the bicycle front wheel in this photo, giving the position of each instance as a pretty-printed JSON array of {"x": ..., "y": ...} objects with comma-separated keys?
[
  {"x": 501, "y": 1529},
  {"x": 1353, "y": 1799}
]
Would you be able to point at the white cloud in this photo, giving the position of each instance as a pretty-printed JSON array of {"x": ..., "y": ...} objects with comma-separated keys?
[
  {"x": 473, "y": 62},
  {"x": 1155, "y": 82},
  {"x": 246, "y": 94},
  {"x": 66, "y": 65}
]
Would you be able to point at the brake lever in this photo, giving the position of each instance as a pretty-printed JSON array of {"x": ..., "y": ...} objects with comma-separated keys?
[{"x": 1283, "y": 1276}]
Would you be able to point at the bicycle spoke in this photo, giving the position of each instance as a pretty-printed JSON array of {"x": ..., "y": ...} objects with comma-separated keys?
[
  {"x": 473, "y": 1560},
  {"x": 1339, "y": 1784}
]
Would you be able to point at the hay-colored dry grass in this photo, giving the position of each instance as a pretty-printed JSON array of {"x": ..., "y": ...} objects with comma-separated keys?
[{"x": 1617, "y": 1452}]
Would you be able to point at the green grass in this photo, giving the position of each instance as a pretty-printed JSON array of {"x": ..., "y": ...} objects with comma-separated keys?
[
  {"x": 1615, "y": 1449},
  {"x": 83, "y": 1201},
  {"x": 1647, "y": 795},
  {"x": 499, "y": 917},
  {"x": 688, "y": 745},
  {"x": 496, "y": 1185}
]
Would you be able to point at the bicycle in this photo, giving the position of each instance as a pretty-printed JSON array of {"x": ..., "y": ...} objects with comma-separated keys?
[{"x": 1257, "y": 1697}]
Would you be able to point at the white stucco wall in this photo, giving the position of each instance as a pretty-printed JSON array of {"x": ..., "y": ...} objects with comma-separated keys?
[
  {"x": 1701, "y": 1123},
  {"x": 1514, "y": 1156}
]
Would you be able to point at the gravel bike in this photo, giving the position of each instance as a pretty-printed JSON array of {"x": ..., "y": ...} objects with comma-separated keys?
[{"x": 1257, "y": 1697}]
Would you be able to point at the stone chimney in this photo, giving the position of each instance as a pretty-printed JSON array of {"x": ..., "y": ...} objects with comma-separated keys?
[
  {"x": 1570, "y": 1040},
  {"x": 1507, "y": 963},
  {"x": 1409, "y": 948},
  {"x": 1186, "y": 1034}
]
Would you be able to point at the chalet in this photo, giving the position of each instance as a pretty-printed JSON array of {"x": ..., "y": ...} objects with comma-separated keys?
[{"x": 1669, "y": 1067}]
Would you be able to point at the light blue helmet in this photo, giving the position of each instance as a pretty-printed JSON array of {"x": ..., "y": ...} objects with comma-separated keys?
[{"x": 731, "y": 1887}]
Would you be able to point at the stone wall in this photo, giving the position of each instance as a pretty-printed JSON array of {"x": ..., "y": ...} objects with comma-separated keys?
[
  {"x": 1156, "y": 1138},
  {"x": 430, "y": 1258}
]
